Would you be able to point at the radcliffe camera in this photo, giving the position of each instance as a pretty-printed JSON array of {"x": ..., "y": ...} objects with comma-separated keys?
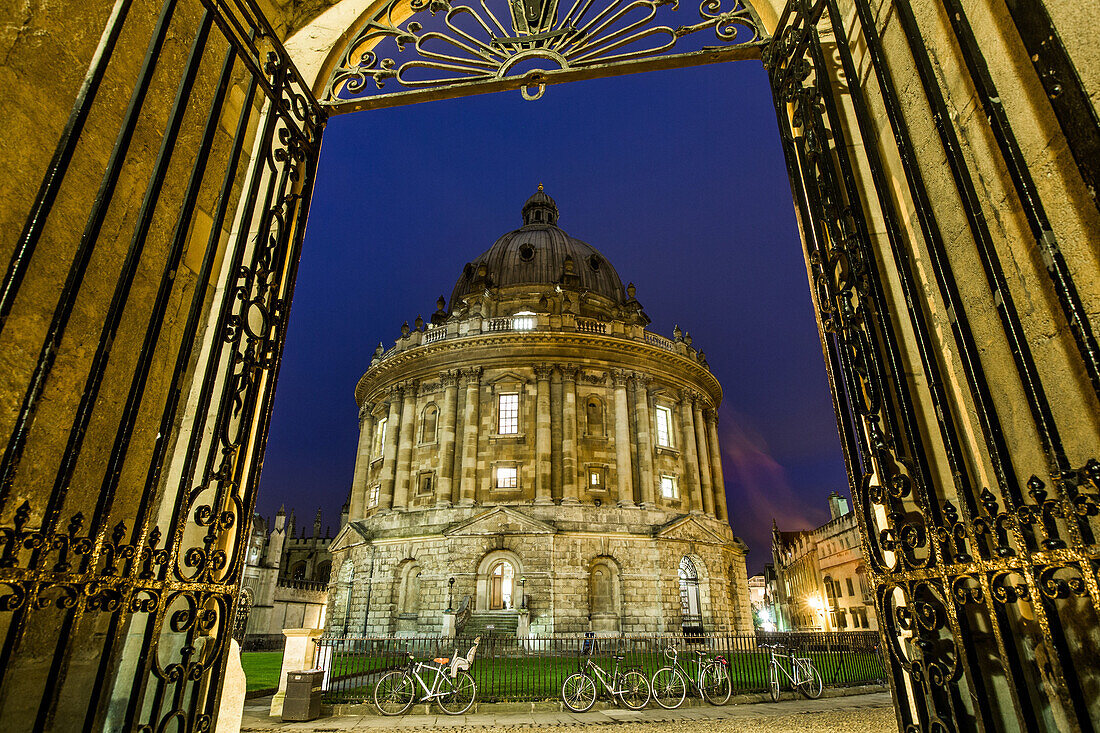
[{"x": 612, "y": 362}]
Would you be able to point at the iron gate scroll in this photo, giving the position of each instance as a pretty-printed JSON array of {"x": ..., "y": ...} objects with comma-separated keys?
[
  {"x": 986, "y": 594},
  {"x": 182, "y": 210}
]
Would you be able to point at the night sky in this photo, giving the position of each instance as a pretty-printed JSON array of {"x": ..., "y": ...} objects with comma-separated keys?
[{"x": 676, "y": 176}]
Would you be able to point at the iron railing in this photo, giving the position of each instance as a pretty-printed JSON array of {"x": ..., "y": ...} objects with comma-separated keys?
[{"x": 509, "y": 669}]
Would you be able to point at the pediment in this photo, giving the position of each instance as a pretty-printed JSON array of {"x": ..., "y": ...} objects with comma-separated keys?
[
  {"x": 689, "y": 529},
  {"x": 500, "y": 520},
  {"x": 507, "y": 378},
  {"x": 350, "y": 535}
]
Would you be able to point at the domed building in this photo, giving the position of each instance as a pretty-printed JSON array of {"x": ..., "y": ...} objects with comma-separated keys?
[{"x": 537, "y": 459}]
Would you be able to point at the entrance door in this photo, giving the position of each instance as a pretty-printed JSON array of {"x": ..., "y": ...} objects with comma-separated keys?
[{"x": 500, "y": 586}]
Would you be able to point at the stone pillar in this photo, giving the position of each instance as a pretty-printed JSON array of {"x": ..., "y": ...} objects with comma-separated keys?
[
  {"x": 716, "y": 466},
  {"x": 468, "y": 485},
  {"x": 298, "y": 654},
  {"x": 443, "y": 485},
  {"x": 645, "y": 441},
  {"x": 405, "y": 447},
  {"x": 389, "y": 449},
  {"x": 357, "y": 507},
  {"x": 689, "y": 456},
  {"x": 569, "y": 494},
  {"x": 542, "y": 435},
  {"x": 623, "y": 466},
  {"x": 703, "y": 452}
]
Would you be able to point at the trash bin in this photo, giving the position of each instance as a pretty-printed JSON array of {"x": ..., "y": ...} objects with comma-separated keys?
[{"x": 303, "y": 695}]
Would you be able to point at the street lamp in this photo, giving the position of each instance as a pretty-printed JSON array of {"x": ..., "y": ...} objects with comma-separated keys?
[
  {"x": 450, "y": 594},
  {"x": 522, "y": 595}
]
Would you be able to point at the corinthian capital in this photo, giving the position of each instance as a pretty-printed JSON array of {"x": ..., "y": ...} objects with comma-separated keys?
[
  {"x": 568, "y": 372},
  {"x": 641, "y": 381},
  {"x": 619, "y": 377},
  {"x": 542, "y": 371},
  {"x": 395, "y": 391},
  {"x": 711, "y": 414},
  {"x": 364, "y": 412},
  {"x": 687, "y": 397},
  {"x": 448, "y": 378},
  {"x": 471, "y": 375}
]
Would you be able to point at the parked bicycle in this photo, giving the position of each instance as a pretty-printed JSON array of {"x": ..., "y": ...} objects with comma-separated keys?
[
  {"x": 711, "y": 680},
  {"x": 579, "y": 689},
  {"x": 805, "y": 678},
  {"x": 452, "y": 686}
]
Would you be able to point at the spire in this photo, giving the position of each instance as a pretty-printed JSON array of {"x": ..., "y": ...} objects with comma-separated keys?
[{"x": 540, "y": 209}]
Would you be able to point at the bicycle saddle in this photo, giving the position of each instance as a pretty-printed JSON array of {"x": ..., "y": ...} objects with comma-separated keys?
[
  {"x": 618, "y": 657},
  {"x": 442, "y": 660},
  {"x": 699, "y": 652}
]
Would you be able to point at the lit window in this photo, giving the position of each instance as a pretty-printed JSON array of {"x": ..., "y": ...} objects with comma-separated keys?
[
  {"x": 379, "y": 437},
  {"x": 508, "y": 419},
  {"x": 374, "y": 494},
  {"x": 668, "y": 487},
  {"x": 664, "y": 427},
  {"x": 506, "y": 478},
  {"x": 595, "y": 480},
  {"x": 523, "y": 321}
]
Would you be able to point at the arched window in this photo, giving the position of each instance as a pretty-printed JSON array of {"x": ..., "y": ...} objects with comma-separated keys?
[
  {"x": 428, "y": 422},
  {"x": 690, "y": 606},
  {"x": 321, "y": 575},
  {"x": 409, "y": 601},
  {"x": 298, "y": 572},
  {"x": 593, "y": 413}
]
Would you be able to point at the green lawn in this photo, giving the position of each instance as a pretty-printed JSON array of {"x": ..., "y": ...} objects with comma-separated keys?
[
  {"x": 261, "y": 669},
  {"x": 540, "y": 677}
]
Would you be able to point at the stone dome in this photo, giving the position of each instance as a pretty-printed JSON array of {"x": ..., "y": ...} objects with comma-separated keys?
[{"x": 540, "y": 253}]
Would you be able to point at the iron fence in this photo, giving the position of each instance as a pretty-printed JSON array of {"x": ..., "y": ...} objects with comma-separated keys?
[{"x": 510, "y": 669}]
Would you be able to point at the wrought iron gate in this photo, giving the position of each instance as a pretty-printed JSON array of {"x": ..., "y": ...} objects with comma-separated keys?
[
  {"x": 986, "y": 595},
  {"x": 127, "y": 484}
]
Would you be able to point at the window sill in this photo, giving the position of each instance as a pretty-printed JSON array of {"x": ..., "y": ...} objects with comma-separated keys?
[
  {"x": 506, "y": 437},
  {"x": 664, "y": 449},
  {"x": 376, "y": 462}
]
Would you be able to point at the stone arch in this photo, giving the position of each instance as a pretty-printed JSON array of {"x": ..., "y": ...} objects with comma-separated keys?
[
  {"x": 691, "y": 575},
  {"x": 323, "y": 572},
  {"x": 484, "y": 588},
  {"x": 297, "y": 571},
  {"x": 407, "y": 595},
  {"x": 595, "y": 417},
  {"x": 429, "y": 423},
  {"x": 604, "y": 594}
]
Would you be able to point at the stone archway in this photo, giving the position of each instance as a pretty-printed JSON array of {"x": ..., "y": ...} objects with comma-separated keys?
[
  {"x": 498, "y": 585},
  {"x": 948, "y": 291}
]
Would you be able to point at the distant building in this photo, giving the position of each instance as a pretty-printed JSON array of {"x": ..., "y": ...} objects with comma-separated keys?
[
  {"x": 821, "y": 580},
  {"x": 285, "y": 583}
]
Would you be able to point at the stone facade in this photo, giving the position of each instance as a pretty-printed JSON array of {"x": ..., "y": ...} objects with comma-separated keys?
[
  {"x": 821, "y": 580},
  {"x": 538, "y": 423}
]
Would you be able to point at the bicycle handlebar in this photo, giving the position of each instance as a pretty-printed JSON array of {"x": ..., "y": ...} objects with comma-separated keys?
[{"x": 672, "y": 652}]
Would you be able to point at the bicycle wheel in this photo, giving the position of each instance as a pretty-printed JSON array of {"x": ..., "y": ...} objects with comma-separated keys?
[
  {"x": 811, "y": 686},
  {"x": 773, "y": 682},
  {"x": 669, "y": 688},
  {"x": 394, "y": 692},
  {"x": 633, "y": 690},
  {"x": 578, "y": 692},
  {"x": 717, "y": 685},
  {"x": 461, "y": 696}
]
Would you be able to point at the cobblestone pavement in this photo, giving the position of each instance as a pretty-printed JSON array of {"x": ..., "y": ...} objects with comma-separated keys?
[{"x": 871, "y": 713}]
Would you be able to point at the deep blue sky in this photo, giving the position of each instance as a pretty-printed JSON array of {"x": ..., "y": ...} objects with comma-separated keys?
[{"x": 676, "y": 176}]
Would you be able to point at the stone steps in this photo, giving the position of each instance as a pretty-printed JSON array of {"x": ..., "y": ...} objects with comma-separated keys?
[{"x": 502, "y": 623}]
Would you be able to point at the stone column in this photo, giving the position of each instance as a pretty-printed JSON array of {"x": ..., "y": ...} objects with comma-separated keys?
[
  {"x": 358, "y": 504},
  {"x": 542, "y": 435},
  {"x": 707, "y": 486},
  {"x": 389, "y": 449},
  {"x": 468, "y": 479},
  {"x": 645, "y": 440},
  {"x": 716, "y": 466},
  {"x": 569, "y": 494},
  {"x": 689, "y": 454},
  {"x": 405, "y": 447},
  {"x": 623, "y": 466},
  {"x": 443, "y": 485}
]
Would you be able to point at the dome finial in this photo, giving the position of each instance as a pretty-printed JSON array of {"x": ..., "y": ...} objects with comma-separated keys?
[{"x": 540, "y": 186}]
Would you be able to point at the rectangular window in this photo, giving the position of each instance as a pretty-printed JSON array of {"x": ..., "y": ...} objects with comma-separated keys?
[
  {"x": 425, "y": 485},
  {"x": 595, "y": 480},
  {"x": 374, "y": 494},
  {"x": 506, "y": 478},
  {"x": 379, "y": 437},
  {"x": 508, "y": 414},
  {"x": 668, "y": 487},
  {"x": 664, "y": 427},
  {"x": 851, "y": 589}
]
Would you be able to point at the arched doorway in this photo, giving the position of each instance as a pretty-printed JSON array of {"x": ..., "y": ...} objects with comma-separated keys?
[
  {"x": 691, "y": 605},
  {"x": 502, "y": 579}
]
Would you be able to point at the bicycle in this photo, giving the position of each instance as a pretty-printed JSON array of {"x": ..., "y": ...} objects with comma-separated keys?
[
  {"x": 711, "y": 680},
  {"x": 578, "y": 691},
  {"x": 452, "y": 688},
  {"x": 806, "y": 679}
]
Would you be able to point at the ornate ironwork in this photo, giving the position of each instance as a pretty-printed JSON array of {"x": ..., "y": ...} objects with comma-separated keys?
[
  {"x": 462, "y": 45},
  {"x": 985, "y": 594},
  {"x": 118, "y": 581}
]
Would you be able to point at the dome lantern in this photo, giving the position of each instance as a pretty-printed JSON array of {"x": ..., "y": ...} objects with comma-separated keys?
[{"x": 540, "y": 209}]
